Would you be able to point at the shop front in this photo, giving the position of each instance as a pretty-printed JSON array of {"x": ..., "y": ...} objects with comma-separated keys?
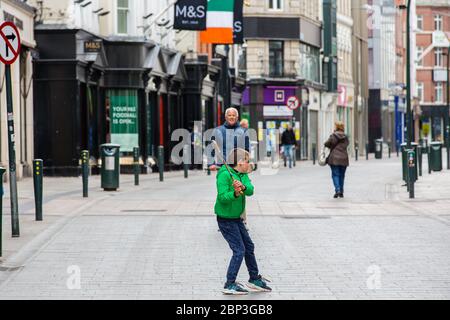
[
  {"x": 68, "y": 98},
  {"x": 269, "y": 113}
]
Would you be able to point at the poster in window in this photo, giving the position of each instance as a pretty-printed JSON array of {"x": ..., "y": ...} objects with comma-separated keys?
[{"x": 124, "y": 119}]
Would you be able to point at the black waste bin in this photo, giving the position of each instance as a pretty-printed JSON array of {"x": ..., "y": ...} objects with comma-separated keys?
[
  {"x": 110, "y": 154},
  {"x": 405, "y": 167},
  {"x": 379, "y": 149},
  {"x": 436, "y": 156}
]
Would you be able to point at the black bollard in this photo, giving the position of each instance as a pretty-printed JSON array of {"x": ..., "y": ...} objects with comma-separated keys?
[
  {"x": 2, "y": 172},
  {"x": 367, "y": 151},
  {"x": 429, "y": 160},
  {"x": 314, "y": 151},
  {"x": 161, "y": 163},
  {"x": 85, "y": 172},
  {"x": 389, "y": 149},
  {"x": 356, "y": 151},
  {"x": 186, "y": 153},
  {"x": 419, "y": 159},
  {"x": 137, "y": 167},
  {"x": 38, "y": 187},
  {"x": 411, "y": 173}
]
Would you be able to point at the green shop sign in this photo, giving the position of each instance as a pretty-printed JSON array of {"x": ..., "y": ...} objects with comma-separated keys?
[{"x": 124, "y": 119}]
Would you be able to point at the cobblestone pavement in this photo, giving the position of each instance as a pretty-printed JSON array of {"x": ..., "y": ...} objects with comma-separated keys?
[{"x": 160, "y": 240}]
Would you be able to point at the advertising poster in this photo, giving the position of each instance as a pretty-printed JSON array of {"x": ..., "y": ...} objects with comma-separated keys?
[{"x": 124, "y": 119}]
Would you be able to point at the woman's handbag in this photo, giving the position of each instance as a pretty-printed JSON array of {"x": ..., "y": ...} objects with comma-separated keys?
[{"x": 323, "y": 157}]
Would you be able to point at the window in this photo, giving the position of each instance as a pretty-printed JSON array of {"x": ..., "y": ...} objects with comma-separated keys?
[
  {"x": 309, "y": 62},
  {"x": 276, "y": 58},
  {"x": 438, "y": 57},
  {"x": 438, "y": 22},
  {"x": 122, "y": 16},
  {"x": 242, "y": 62},
  {"x": 420, "y": 22},
  {"x": 420, "y": 91},
  {"x": 419, "y": 53},
  {"x": 276, "y": 4},
  {"x": 438, "y": 92}
]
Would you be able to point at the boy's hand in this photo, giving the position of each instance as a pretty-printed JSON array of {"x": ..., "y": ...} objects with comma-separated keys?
[{"x": 237, "y": 184}]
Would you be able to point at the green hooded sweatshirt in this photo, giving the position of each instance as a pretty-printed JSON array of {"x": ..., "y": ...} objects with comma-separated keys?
[{"x": 227, "y": 205}]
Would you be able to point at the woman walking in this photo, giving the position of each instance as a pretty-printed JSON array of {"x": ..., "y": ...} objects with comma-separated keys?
[{"x": 338, "y": 159}]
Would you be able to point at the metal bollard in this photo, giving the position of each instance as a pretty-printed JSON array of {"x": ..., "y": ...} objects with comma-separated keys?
[
  {"x": 390, "y": 150},
  {"x": 186, "y": 153},
  {"x": 419, "y": 159},
  {"x": 85, "y": 172},
  {"x": 2, "y": 172},
  {"x": 367, "y": 151},
  {"x": 161, "y": 163},
  {"x": 429, "y": 160},
  {"x": 356, "y": 151},
  {"x": 38, "y": 165},
  {"x": 314, "y": 151},
  {"x": 411, "y": 171},
  {"x": 137, "y": 167}
]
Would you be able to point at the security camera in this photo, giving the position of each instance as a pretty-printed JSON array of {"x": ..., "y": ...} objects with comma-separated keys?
[{"x": 163, "y": 22}]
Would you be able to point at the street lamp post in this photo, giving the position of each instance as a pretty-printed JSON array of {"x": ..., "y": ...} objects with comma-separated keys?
[
  {"x": 409, "y": 116},
  {"x": 447, "y": 112}
]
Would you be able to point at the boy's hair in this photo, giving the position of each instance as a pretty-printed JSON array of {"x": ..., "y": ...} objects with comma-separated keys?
[{"x": 237, "y": 155}]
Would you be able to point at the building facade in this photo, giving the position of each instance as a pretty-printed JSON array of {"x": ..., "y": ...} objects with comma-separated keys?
[
  {"x": 346, "y": 87},
  {"x": 22, "y": 15},
  {"x": 120, "y": 78},
  {"x": 282, "y": 47},
  {"x": 433, "y": 32},
  {"x": 360, "y": 71},
  {"x": 382, "y": 78}
]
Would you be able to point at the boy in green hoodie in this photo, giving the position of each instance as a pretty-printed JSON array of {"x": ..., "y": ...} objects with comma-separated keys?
[{"x": 232, "y": 190}]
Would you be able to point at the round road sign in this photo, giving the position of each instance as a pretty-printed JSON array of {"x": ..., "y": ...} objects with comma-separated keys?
[
  {"x": 9, "y": 43},
  {"x": 293, "y": 103}
]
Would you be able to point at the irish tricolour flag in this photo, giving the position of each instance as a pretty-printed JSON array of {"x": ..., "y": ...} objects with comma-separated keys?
[{"x": 220, "y": 19}]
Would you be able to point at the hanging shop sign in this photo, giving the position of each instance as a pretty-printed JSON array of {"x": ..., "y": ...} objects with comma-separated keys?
[
  {"x": 238, "y": 26},
  {"x": 190, "y": 15}
]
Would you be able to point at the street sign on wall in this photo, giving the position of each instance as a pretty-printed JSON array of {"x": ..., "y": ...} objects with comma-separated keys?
[
  {"x": 440, "y": 40},
  {"x": 9, "y": 43},
  {"x": 293, "y": 103}
]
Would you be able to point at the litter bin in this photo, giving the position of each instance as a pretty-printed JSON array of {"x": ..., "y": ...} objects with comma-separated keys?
[
  {"x": 379, "y": 149},
  {"x": 436, "y": 156},
  {"x": 110, "y": 172},
  {"x": 405, "y": 161}
]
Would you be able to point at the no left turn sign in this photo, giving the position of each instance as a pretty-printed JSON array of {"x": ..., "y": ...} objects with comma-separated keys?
[
  {"x": 293, "y": 103},
  {"x": 9, "y": 43}
]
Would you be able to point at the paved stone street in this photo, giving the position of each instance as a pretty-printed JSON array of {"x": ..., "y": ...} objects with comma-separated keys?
[{"x": 160, "y": 240}]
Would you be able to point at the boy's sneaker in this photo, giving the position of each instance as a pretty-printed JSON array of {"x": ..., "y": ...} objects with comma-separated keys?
[
  {"x": 259, "y": 285},
  {"x": 235, "y": 289}
]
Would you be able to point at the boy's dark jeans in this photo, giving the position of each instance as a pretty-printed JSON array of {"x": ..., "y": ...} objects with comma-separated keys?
[{"x": 235, "y": 233}]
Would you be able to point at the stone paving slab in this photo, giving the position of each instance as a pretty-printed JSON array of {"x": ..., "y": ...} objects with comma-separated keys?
[
  {"x": 160, "y": 240},
  {"x": 130, "y": 258}
]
